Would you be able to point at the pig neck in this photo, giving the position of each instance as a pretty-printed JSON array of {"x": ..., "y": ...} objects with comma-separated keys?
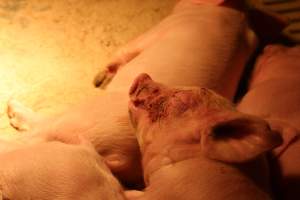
[{"x": 202, "y": 178}]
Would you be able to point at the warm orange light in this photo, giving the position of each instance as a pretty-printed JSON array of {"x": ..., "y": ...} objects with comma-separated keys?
[{"x": 50, "y": 50}]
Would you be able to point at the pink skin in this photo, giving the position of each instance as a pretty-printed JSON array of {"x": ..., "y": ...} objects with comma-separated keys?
[
  {"x": 54, "y": 170},
  {"x": 195, "y": 144},
  {"x": 116, "y": 143},
  {"x": 197, "y": 44},
  {"x": 274, "y": 93}
]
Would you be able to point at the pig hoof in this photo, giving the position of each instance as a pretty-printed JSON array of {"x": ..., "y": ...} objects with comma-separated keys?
[
  {"x": 21, "y": 117},
  {"x": 102, "y": 79}
]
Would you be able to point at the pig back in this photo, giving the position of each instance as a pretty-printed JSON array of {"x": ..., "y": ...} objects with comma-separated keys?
[
  {"x": 202, "y": 46},
  {"x": 274, "y": 89}
]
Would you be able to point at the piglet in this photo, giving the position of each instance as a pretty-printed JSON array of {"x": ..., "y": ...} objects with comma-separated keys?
[
  {"x": 195, "y": 145},
  {"x": 53, "y": 170},
  {"x": 274, "y": 93}
]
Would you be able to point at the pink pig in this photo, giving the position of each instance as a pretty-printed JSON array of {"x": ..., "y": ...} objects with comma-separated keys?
[
  {"x": 274, "y": 94},
  {"x": 54, "y": 170},
  {"x": 195, "y": 145}
]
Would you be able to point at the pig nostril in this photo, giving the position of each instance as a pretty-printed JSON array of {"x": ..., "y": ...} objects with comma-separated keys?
[{"x": 138, "y": 81}]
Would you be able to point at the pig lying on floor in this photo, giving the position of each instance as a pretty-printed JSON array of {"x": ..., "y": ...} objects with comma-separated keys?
[
  {"x": 55, "y": 171},
  {"x": 196, "y": 146},
  {"x": 274, "y": 93},
  {"x": 201, "y": 43}
]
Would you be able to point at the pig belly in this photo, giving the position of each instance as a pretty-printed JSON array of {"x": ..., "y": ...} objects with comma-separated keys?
[{"x": 209, "y": 40}]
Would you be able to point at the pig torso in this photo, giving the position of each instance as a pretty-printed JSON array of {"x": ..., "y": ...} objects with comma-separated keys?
[
  {"x": 199, "y": 45},
  {"x": 274, "y": 94},
  {"x": 275, "y": 86}
]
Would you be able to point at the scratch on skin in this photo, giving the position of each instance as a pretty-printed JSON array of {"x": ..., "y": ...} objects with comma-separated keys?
[{"x": 158, "y": 109}]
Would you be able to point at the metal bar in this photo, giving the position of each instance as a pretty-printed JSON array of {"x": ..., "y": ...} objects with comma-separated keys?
[
  {"x": 295, "y": 20},
  {"x": 288, "y": 10},
  {"x": 273, "y": 2}
]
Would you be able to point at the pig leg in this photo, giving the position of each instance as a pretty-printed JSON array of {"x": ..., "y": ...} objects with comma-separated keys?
[
  {"x": 21, "y": 117},
  {"x": 274, "y": 93}
]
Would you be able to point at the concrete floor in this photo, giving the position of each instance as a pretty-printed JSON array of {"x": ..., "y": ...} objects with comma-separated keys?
[{"x": 50, "y": 50}]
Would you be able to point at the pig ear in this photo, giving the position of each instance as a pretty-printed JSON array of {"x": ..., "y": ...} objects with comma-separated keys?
[{"x": 239, "y": 140}]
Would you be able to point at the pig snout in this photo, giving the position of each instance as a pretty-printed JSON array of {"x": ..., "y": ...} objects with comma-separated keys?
[
  {"x": 143, "y": 91},
  {"x": 140, "y": 80},
  {"x": 139, "y": 92}
]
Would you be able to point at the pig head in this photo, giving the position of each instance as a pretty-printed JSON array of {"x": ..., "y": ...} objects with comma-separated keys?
[{"x": 174, "y": 125}]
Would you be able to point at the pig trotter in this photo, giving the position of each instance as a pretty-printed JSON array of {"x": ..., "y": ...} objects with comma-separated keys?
[
  {"x": 21, "y": 117},
  {"x": 103, "y": 78}
]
